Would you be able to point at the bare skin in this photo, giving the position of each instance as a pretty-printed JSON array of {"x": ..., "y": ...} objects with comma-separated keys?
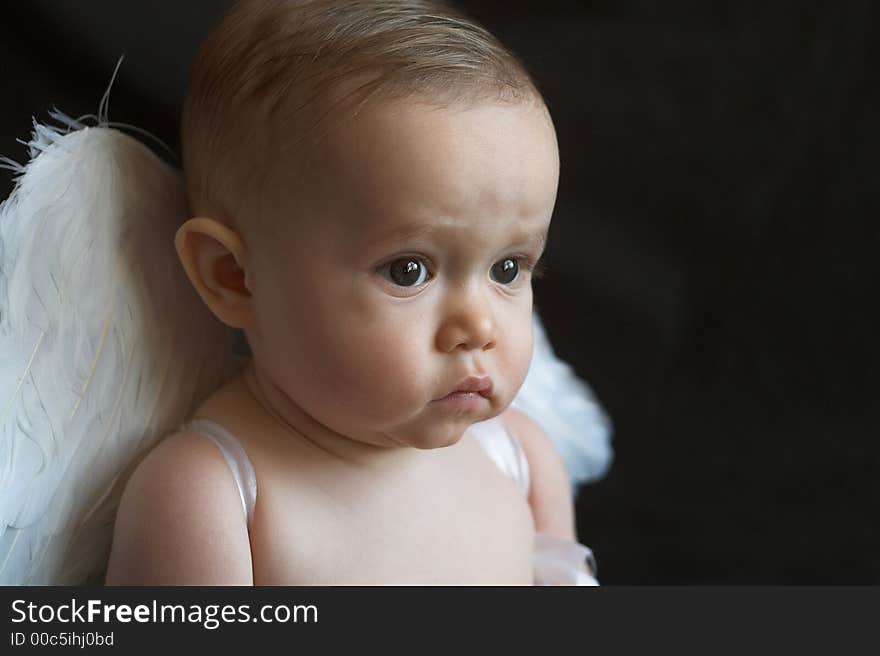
[{"x": 362, "y": 476}]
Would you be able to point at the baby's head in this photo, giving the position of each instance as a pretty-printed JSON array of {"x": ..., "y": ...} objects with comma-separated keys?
[{"x": 373, "y": 182}]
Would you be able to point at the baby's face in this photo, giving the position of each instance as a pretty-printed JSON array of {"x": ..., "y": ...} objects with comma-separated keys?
[{"x": 404, "y": 270}]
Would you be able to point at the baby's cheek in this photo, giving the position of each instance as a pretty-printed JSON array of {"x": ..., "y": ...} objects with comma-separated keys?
[
  {"x": 376, "y": 371},
  {"x": 517, "y": 357}
]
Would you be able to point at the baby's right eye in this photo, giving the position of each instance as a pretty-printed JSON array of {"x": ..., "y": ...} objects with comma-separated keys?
[{"x": 406, "y": 271}]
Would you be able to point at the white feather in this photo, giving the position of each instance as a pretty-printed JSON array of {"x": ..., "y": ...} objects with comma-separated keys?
[
  {"x": 104, "y": 346},
  {"x": 564, "y": 406}
]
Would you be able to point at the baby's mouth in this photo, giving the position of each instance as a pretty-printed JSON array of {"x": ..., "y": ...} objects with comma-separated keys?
[{"x": 471, "y": 390}]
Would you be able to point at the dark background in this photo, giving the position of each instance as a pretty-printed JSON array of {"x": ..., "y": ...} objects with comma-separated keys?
[{"x": 711, "y": 267}]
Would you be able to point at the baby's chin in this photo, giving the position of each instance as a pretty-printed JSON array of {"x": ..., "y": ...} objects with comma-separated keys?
[{"x": 442, "y": 434}]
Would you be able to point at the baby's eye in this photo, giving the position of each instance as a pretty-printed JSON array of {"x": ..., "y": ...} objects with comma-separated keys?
[
  {"x": 505, "y": 271},
  {"x": 406, "y": 271}
]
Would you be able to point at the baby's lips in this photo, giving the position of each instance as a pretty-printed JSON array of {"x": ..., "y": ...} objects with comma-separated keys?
[{"x": 481, "y": 385}]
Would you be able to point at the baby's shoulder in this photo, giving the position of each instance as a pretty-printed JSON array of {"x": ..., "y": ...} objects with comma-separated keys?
[
  {"x": 179, "y": 504},
  {"x": 531, "y": 437},
  {"x": 185, "y": 463}
]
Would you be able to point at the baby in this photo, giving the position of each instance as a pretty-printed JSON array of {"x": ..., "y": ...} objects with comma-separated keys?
[{"x": 372, "y": 182}]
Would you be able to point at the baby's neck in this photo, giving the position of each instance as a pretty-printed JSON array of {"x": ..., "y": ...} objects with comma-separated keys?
[{"x": 292, "y": 422}]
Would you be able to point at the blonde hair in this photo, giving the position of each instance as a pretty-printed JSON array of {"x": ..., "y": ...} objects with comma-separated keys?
[{"x": 272, "y": 71}]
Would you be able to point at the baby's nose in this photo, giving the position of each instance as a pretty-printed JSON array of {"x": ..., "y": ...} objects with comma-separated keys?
[{"x": 468, "y": 325}]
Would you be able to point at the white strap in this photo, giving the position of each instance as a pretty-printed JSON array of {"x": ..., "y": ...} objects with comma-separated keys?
[
  {"x": 236, "y": 458},
  {"x": 504, "y": 450}
]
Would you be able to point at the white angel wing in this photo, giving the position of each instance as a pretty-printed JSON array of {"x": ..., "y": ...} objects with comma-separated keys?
[
  {"x": 104, "y": 345},
  {"x": 564, "y": 406}
]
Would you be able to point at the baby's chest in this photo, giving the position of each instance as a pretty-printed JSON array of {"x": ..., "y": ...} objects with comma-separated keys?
[{"x": 468, "y": 529}]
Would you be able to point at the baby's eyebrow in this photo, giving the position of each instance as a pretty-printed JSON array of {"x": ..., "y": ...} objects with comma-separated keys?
[
  {"x": 537, "y": 240},
  {"x": 408, "y": 231},
  {"x": 533, "y": 241}
]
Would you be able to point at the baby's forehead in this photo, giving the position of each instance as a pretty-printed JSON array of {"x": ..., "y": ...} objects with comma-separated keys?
[
  {"x": 417, "y": 122},
  {"x": 407, "y": 162}
]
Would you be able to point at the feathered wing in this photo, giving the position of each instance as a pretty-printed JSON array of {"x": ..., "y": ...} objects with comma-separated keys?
[
  {"x": 104, "y": 345},
  {"x": 564, "y": 406}
]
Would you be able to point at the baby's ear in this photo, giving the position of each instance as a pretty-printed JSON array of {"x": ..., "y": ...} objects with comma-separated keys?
[{"x": 213, "y": 256}]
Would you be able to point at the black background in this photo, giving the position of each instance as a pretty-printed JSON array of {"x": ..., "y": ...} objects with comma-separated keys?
[{"x": 711, "y": 266}]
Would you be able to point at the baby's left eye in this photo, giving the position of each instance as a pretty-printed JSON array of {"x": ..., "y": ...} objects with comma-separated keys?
[
  {"x": 505, "y": 271},
  {"x": 408, "y": 271}
]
